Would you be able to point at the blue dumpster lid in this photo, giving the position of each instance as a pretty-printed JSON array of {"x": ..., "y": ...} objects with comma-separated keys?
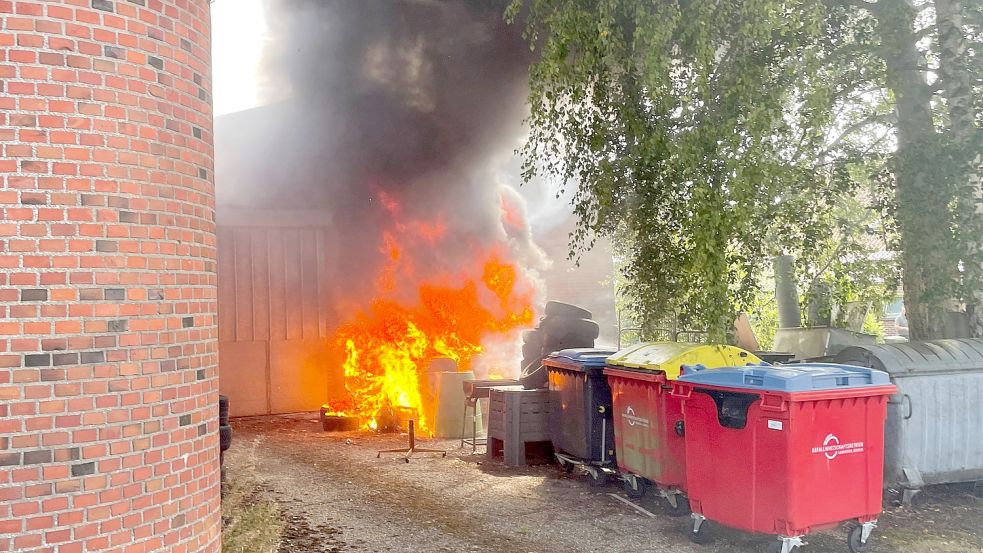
[
  {"x": 787, "y": 378},
  {"x": 583, "y": 356}
]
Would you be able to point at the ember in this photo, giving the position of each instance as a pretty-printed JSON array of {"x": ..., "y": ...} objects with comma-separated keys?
[{"x": 387, "y": 346}]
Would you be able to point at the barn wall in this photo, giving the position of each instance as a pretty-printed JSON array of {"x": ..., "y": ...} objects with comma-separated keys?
[{"x": 275, "y": 320}]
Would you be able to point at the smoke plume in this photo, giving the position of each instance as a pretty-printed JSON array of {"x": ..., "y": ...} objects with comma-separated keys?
[{"x": 383, "y": 105}]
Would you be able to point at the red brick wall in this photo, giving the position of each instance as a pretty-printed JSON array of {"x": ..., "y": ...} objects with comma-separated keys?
[{"x": 108, "y": 350}]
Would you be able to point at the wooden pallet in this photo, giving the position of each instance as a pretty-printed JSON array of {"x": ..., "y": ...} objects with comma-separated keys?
[{"x": 518, "y": 421}]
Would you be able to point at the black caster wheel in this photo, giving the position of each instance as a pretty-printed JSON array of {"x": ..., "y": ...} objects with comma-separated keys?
[
  {"x": 703, "y": 536},
  {"x": 915, "y": 499},
  {"x": 636, "y": 491},
  {"x": 597, "y": 479},
  {"x": 853, "y": 540},
  {"x": 680, "y": 510},
  {"x": 892, "y": 498}
]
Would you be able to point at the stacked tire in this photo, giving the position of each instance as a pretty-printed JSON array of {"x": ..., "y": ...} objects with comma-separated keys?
[
  {"x": 564, "y": 326},
  {"x": 224, "y": 430}
]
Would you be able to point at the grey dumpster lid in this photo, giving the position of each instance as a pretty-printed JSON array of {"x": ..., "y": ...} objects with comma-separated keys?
[
  {"x": 788, "y": 378},
  {"x": 582, "y": 356},
  {"x": 937, "y": 356}
]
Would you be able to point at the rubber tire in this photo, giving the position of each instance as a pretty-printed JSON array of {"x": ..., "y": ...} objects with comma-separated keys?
[
  {"x": 534, "y": 376},
  {"x": 567, "y": 342},
  {"x": 853, "y": 540},
  {"x": 526, "y": 361},
  {"x": 774, "y": 547},
  {"x": 535, "y": 336},
  {"x": 681, "y": 509},
  {"x": 224, "y": 437},
  {"x": 561, "y": 309},
  {"x": 704, "y": 536},
  {"x": 223, "y": 409},
  {"x": 600, "y": 481},
  {"x": 532, "y": 351},
  {"x": 633, "y": 492},
  {"x": 918, "y": 500},
  {"x": 563, "y": 328}
]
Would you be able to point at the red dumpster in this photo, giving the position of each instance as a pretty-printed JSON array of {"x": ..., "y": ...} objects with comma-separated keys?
[
  {"x": 648, "y": 433},
  {"x": 785, "y": 450}
]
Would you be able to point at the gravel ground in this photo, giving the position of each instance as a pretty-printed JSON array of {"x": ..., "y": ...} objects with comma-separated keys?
[{"x": 338, "y": 497}]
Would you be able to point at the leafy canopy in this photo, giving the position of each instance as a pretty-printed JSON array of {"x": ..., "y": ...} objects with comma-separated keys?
[{"x": 691, "y": 129}]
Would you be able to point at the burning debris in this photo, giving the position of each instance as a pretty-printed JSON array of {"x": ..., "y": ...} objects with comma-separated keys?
[
  {"x": 389, "y": 344},
  {"x": 398, "y": 120}
]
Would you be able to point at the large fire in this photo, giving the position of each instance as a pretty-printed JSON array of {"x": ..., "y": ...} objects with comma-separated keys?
[{"x": 388, "y": 346}]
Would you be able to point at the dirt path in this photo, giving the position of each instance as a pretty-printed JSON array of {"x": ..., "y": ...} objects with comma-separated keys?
[{"x": 338, "y": 496}]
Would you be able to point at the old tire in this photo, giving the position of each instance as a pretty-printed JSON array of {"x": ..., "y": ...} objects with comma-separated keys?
[
  {"x": 224, "y": 437},
  {"x": 532, "y": 351},
  {"x": 534, "y": 375},
  {"x": 567, "y": 329},
  {"x": 535, "y": 336},
  {"x": 567, "y": 342},
  {"x": 561, "y": 309},
  {"x": 223, "y": 409}
]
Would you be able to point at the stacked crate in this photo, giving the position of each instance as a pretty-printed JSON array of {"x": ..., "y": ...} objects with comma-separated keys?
[{"x": 518, "y": 420}]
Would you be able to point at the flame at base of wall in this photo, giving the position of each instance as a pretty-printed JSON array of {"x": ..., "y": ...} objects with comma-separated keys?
[{"x": 388, "y": 345}]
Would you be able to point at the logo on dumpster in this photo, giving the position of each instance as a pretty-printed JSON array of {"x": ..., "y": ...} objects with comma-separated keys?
[
  {"x": 629, "y": 416},
  {"x": 832, "y": 447}
]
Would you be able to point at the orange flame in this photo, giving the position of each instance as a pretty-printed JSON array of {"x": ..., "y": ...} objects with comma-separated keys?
[{"x": 388, "y": 346}]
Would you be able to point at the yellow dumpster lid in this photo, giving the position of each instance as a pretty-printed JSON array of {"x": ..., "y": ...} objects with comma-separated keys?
[{"x": 669, "y": 357}]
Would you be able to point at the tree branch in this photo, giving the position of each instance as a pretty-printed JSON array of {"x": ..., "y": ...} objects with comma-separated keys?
[{"x": 866, "y": 121}]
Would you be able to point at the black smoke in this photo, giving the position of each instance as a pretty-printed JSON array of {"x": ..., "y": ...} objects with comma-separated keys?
[{"x": 418, "y": 100}]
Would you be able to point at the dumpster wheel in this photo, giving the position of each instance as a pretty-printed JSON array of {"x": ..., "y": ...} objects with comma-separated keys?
[
  {"x": 596, "y": 477},
  {"x": 635, "y": 486},
  {"x": 785, "y": 545},
  {"x": 859, "y": 537},
  {"x": 701, "y": 533},
  {"x": 676, "y": 505}
]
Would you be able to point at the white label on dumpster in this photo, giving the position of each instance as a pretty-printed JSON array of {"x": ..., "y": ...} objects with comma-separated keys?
[
  {"x": 832, "y": 447},
  {"x": 775, "y": 425},
  {"x": 632, "y": 420}
]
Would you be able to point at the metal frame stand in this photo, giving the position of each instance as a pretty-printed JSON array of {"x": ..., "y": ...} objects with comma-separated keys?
[
  {"x": 789, "y": 544},
  {"x": 410, "y": 426},
  {"x": 474, "y": 441}
]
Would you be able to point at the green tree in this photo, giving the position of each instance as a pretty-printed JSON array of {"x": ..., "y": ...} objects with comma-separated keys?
[{"x": 702, "y": 133}]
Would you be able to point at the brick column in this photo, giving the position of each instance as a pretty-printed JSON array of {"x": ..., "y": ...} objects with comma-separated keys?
[{"x": 108, "y": 357}]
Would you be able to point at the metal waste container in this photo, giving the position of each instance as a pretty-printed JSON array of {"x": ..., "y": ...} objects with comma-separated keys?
[
  {"x": 785, "y": 450},
  {"x": 934, "y": 423},
  {"x": 648, "y": 428},
  {"x": 580, "y": 408}
]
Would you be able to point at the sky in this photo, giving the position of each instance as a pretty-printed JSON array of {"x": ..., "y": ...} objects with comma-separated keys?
[{"x": 238, "y": 32}]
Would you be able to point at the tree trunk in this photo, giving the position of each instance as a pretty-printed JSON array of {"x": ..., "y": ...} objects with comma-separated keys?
[
  {"x": 922, "y": 200},
  {"x": 957, "y": 80}
]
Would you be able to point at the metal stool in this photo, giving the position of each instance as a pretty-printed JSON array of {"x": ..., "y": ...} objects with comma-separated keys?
[{"x": 474, "y": 441}]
